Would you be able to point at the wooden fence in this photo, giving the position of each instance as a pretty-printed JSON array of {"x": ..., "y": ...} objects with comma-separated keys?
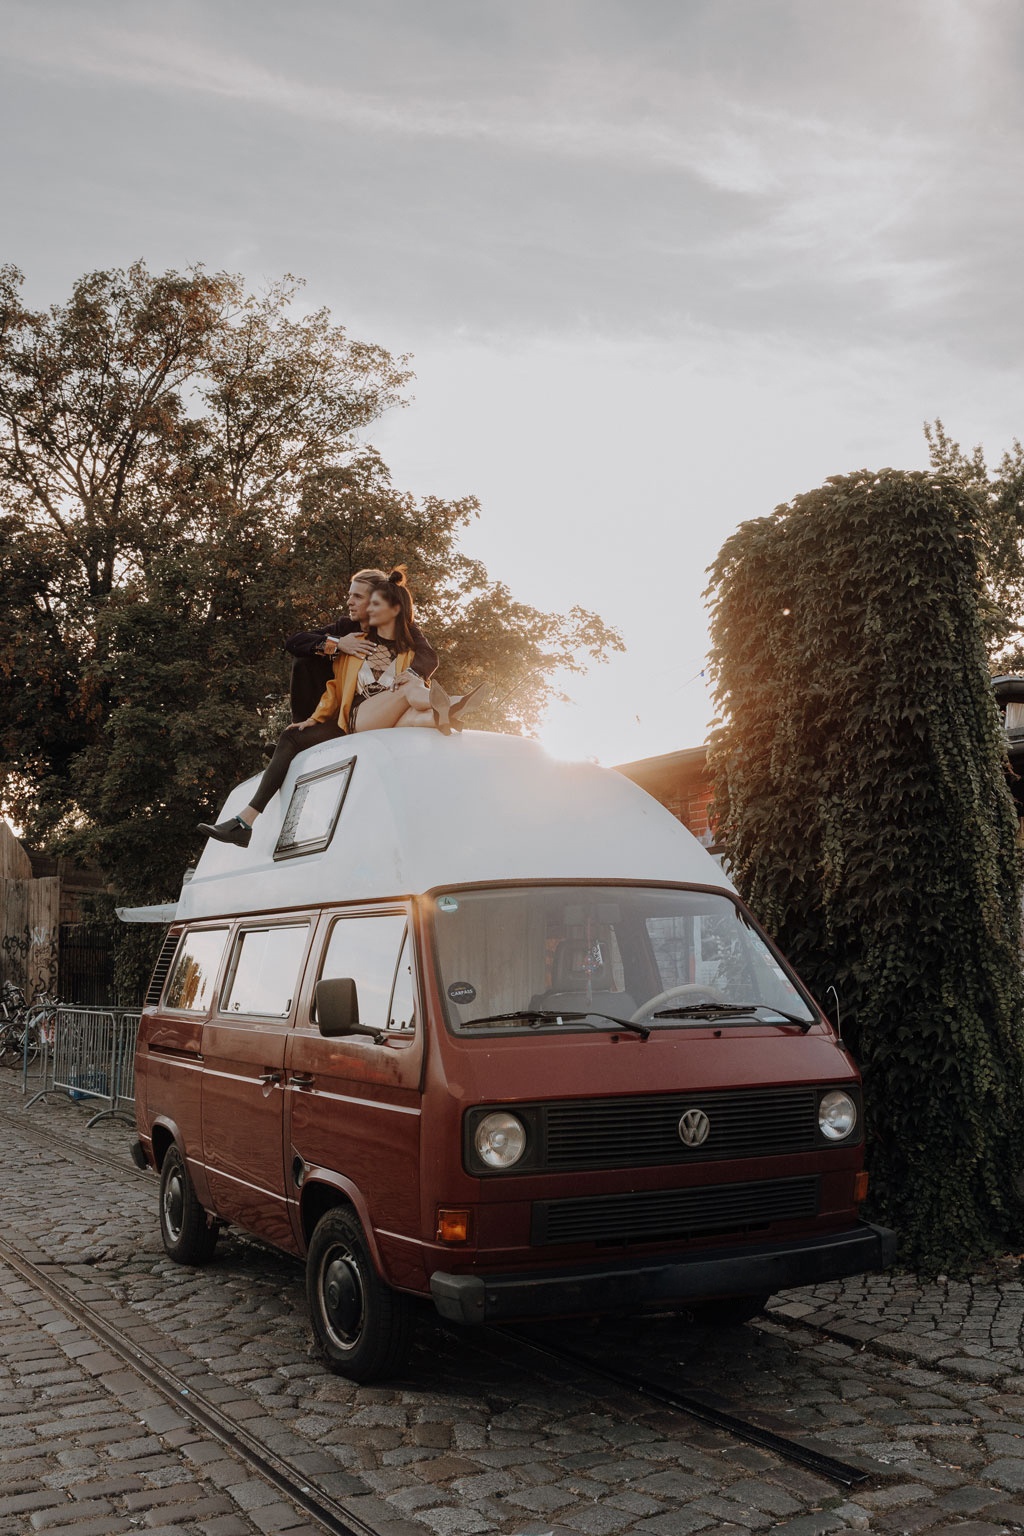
[{"x": 29, "y": 920}]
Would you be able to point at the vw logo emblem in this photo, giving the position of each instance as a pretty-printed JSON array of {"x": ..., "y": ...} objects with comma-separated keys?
[{"x": 694, "y": 1128}]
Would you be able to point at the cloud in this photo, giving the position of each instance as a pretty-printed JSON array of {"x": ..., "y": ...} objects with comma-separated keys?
[
  {"x": 817, "y": 169},
  {"x": 606, "y": 110}
]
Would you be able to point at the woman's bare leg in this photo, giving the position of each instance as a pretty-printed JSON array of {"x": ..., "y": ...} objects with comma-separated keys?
[
  {"x": 419, "y": 717},
  {"x": 414, "y": 691},
  {"x": 381, "y": 711}
]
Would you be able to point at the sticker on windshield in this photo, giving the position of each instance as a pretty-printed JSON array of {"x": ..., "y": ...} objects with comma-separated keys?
[
  {"x": 462, "y": 992},
  {"x": 447, "y": 904}
]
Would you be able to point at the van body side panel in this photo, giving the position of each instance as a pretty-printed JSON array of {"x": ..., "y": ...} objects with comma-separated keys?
[
  {"x": 353, "y": 1106},
  {"x": 168, "y": 1086},
  {"x": 242, "y": 1125}
]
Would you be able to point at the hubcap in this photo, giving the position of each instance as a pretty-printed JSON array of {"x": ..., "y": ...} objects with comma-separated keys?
[
  {"x": 174, "y": 1204},
  {"x": 342, "y": 1293}
]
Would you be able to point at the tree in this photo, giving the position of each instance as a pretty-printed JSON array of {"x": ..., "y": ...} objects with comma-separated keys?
[
  {"x": 182, "y": 484},
  {"x": 859, "y": 772},
  {"x": 999, "y": 498}
]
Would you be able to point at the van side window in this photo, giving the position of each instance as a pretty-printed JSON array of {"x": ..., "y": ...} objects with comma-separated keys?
[
  {"x": 264, "y": 973},
  {"x": 195, "y": 970},
  {"x": 402, "y": 1014},
  {"x": 367, "y": 949},
  {"x": 313, "y": 810}
]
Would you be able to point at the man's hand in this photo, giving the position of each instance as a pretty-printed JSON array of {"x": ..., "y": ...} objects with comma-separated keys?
[{"x": 355, "y": 644}]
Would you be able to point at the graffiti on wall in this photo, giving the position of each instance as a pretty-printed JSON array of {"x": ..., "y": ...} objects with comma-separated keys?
[{"x": 30, "y": 959}]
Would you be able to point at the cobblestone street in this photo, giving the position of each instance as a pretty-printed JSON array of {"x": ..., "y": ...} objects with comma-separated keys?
[{"x": 922, "y": 1385}]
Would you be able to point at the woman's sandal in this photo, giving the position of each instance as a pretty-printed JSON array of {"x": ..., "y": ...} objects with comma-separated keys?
[
  {"x": 467, "y": 702},
  {"x": 448, "y": 712},
  {"x": 441, "y": 705}
]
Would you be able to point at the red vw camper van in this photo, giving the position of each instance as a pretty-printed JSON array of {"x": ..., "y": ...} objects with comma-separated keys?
[{"x": 467, "y": 1023}]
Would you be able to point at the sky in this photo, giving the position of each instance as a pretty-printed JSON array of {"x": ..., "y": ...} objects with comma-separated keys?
[{"x": 662, "y": 265}]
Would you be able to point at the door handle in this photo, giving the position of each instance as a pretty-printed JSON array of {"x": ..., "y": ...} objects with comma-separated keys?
[
  {"x": 302, "y": 1079},
  {"x": 269, "y": 1078}
]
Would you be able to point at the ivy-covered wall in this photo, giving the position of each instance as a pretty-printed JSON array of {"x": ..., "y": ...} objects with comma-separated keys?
[{"x": 859, "y": 780}]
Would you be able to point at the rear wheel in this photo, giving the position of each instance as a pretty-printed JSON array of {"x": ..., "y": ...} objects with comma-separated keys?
[
  {"x": 361, "y": 1326},
  {"x": 188, "y": 1237},
  {"x": 12, "y": 1044}
]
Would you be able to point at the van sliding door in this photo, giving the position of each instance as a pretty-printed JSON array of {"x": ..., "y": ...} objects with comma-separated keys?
[{"x": 243, "y": 1048}]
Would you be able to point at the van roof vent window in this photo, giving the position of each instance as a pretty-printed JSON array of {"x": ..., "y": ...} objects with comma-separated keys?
[
  {"x": 314, "y": 810},
  {"x": 163, "y": 965}
]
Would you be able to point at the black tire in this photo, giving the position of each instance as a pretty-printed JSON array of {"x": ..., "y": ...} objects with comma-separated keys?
[
  {"x": 187, "y": 1235},
  {"x": 729, "y": 1311},
  {"x": 12, "y": 1045},
  {"x": 361, "y": 1326}
]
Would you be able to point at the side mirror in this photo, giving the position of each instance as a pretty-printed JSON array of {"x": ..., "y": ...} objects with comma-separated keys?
[
  {"x": 337, "y": 1005},
  {"x": 337, "y": 1008}
]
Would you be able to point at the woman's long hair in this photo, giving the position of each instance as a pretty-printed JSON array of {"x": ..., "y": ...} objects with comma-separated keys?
[{"x": 396, "y": 594}]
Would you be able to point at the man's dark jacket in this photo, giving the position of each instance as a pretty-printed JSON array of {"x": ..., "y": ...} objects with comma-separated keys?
[{"x": 311, "y": 671}]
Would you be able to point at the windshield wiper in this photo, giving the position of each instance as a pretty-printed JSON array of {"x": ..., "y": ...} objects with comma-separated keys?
[
  {"x": 710, "y": 1010},
  {"x": 555, "y": 1016},
  {"x": 527, "y": 1015},
  {"x": 643, "y": 1030}
]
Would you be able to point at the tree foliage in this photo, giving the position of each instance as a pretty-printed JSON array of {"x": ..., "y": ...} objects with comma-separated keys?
[
  {"x": 184, "y": 482},
  {"x": 998, "y": 495},
  {"x": 859, "y": 772}
]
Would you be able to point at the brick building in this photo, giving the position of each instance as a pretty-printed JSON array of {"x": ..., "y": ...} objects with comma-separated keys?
[{"x": 679, "y": 780}]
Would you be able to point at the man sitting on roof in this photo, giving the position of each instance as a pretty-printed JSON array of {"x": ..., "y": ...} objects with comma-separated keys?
[
  {"x": 312, "y": 653},
  {"x": 381, "y": 689}
]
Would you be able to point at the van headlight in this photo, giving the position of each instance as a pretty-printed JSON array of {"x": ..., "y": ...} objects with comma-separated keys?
[
  {"x": 837, "y": 1115},
  {"x": 499, "y": 1139}
]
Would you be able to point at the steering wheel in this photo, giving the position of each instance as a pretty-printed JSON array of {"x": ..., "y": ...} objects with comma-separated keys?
[{"x": 691, "y": 990}]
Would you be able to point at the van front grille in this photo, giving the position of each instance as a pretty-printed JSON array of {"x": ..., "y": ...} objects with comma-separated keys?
[
  {"x": 636, "y": 1132},
  {"x": 658, "y": 1215}
]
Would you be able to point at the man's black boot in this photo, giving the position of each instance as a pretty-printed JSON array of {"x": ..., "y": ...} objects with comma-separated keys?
[{"x": 234, "y": 830}]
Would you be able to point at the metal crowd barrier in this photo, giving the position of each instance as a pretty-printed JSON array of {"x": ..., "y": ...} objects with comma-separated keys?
[{"x": 91, "y": 1056}]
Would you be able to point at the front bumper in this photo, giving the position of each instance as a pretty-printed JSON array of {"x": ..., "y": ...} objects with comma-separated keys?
[{"x": 628, "y": 1286}]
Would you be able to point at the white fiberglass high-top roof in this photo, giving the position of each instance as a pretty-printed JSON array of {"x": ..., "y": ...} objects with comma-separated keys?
[{"x": 421, "y": 810}]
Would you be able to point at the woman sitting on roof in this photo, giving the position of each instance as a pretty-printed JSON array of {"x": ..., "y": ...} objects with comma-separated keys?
[{"x": 366, "y": 693}]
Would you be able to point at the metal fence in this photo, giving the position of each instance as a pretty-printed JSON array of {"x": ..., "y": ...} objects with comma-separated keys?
[
  {"x": 90, "y": 1056},
  {"x": 85, "y": 962}
]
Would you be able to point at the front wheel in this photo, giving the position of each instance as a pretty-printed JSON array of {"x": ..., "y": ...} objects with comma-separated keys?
[
  {"x": 361, "y": 1326},
  {"x": 188, "y": 1237}
]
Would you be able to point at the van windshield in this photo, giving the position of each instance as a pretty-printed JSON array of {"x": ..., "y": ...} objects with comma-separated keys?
[{"x": 588, "y": 957}]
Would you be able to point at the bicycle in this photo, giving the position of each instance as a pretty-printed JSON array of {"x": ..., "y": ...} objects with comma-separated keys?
[
  {"x": 12, "y": 1000},
  {"x": 32, "y": 1026}
]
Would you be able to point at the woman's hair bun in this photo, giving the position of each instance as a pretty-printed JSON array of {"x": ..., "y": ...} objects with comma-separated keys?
[{"x": 397, "y": 577}]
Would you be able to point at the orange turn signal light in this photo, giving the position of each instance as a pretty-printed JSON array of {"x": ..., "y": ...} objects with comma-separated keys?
[
  {"x": 453, "y": 1226},
  {"x": 860, "y": 1186}
]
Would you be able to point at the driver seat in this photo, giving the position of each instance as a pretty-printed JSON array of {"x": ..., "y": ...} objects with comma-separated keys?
[{"x": 568, "y": 989}]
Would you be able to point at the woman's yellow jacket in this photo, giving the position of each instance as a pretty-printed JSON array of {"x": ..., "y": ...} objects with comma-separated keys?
[{"x": 341, "y": 690}]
